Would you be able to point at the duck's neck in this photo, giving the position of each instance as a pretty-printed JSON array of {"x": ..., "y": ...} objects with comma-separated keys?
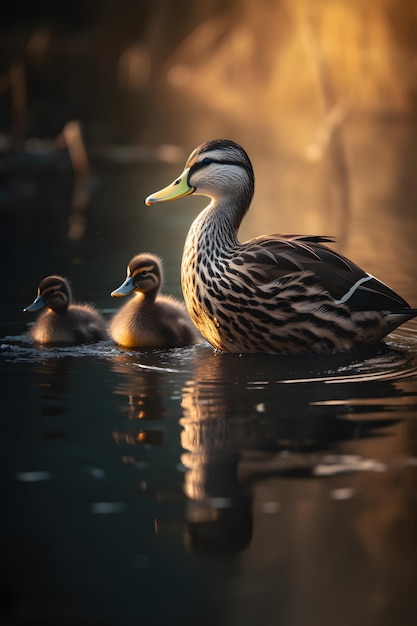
[
  {"x": 60, "y": 309},
  {"x": 211, "y": 241},
  {"x": 148, "y": 297},
  {"x": 218, "y": 224}
]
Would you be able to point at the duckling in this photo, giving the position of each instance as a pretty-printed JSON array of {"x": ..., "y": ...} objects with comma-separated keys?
[
  {"x": 275, "y": 293},
  {"x": 149, "y": 319},
  {"x": 64, "y": 322}
]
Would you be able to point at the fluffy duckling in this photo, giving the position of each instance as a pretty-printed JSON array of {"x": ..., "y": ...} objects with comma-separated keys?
[
  {"x": 149, "y": 319},
  {"x": 64, "y": 322}
]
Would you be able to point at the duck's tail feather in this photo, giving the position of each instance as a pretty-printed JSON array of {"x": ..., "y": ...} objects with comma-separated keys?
[{"x": 396, "y": 318}]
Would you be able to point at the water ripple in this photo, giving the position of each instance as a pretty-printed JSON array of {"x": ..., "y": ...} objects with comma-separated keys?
[
  {"x": 395, "y": 361},
  {"x": 19, "y": 349},
  {"x": 390, "y": 366}
]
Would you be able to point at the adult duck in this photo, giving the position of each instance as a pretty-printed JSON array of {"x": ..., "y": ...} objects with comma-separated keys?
[{"x": 274, "y": 293}]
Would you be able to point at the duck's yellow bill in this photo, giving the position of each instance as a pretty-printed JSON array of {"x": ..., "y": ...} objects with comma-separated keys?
[{"x": 178, "y": 189}]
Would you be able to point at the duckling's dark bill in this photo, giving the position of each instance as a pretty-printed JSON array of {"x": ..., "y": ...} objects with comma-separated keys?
[
  {"x": 37, "y": 304},
  {"x": 125, "y": 288},
  {"x": 178, "y": 189}
]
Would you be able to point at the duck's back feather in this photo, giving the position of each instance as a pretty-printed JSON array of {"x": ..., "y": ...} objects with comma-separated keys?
[{"x": 274, "y": 258}]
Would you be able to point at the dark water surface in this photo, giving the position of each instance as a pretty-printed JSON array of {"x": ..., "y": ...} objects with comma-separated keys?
[{"x": 188, "y": 487}]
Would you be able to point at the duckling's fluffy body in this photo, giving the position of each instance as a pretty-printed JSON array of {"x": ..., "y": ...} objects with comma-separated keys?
[
  {"x": 64, "y": 322},
  {"x": 80, "y": 324},
  {"x": 149, "y": 319},
  {"x": 274, "y": 293},
  {"x": 140, "y": 324}
]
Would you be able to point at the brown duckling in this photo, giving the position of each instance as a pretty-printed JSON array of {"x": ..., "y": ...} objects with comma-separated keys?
[
  {"x": 149, "y": 319},
  {"x": 64, "y": 322}
]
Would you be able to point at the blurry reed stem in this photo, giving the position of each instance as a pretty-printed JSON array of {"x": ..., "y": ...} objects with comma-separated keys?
[
  {"x": 78, "y": 154},
  {"x": 329, "y": 134},
  {"x": 17, "y": 76}
]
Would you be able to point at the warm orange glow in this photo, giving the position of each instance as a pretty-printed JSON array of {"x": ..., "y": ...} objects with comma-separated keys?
[
  {"x": 283, "y": 57},
  {"x": 134, "y": 67},
  {"x": 304, "y": 87}
]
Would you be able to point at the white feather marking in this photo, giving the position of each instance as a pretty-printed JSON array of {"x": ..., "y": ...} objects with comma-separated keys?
[{"x": 354, "y": 287}]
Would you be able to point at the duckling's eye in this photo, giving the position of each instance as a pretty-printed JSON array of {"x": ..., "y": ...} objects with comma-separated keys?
[
  {"x": 144, "y": 273},
  {"x": 207, "y": 161}
]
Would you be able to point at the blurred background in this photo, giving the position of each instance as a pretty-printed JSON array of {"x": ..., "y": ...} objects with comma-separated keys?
[{"x": 102, "y": 101}]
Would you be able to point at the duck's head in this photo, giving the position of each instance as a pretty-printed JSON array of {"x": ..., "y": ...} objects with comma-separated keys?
[
  {"x": 54, "y": 293},
  {"x": 218, "y": 168},
  {"x": 144, "y": 274}
]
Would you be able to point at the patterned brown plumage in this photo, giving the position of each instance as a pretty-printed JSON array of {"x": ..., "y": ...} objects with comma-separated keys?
[
  {"x": 64, "y": 322},
  {"x": 276, "y": 293},
  {"x": 149, "y": 319}
]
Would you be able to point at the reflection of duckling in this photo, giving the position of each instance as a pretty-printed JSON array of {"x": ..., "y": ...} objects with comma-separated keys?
[
  {"x": 64, "y": 322},
  {"x": 150, "y": 319}
]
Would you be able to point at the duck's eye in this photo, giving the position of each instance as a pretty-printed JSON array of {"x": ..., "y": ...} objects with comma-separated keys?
[
  {"x": 144, "y": 273},
  {"x": 207, "y": 161}
]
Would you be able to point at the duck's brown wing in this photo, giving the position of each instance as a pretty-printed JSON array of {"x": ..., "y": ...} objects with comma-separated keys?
[{"x": 266, "y": 260}]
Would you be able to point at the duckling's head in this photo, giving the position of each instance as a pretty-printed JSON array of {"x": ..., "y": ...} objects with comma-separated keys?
[
  {"x": 219, "y": 168},
  {"x": 54, "y": 293},
  {"x": 144, "y": 274}
]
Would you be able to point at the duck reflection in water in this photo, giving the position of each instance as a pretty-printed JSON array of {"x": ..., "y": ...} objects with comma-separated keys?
[
  {"x": 53, "y": 382},
  {"x": 142, "y": 387},
  {"x": 144, "y": 391},
  {"x": 241, "y": 425}
]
